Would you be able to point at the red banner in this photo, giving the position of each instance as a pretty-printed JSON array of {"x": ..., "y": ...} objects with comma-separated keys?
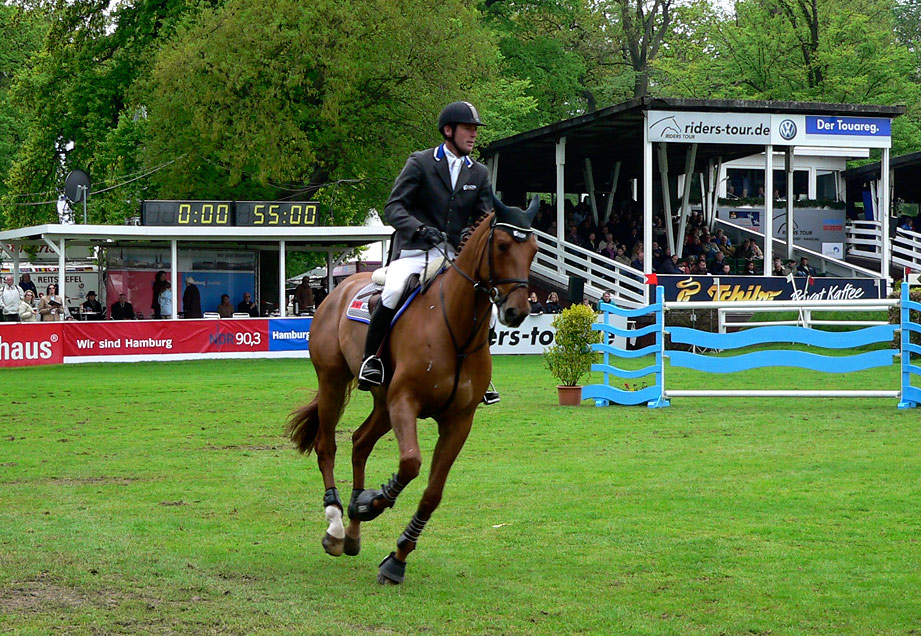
[
  {"x": 119, "y": 338},
  {"x": 29, "y": 344}
]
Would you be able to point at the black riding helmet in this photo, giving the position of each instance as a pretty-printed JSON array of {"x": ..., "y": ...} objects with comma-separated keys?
[{"x": 458, "y": 113}]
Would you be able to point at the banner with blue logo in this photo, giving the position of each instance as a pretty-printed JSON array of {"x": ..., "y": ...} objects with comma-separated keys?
[
  {"x": 831, "y": 130},
  {"x": 289, "y": 334}
]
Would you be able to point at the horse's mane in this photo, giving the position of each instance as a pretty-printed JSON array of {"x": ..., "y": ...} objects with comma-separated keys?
[{"x": 466, "y": 237}]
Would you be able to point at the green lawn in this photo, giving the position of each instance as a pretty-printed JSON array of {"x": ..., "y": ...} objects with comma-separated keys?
[{"x": 163, "y": 499}]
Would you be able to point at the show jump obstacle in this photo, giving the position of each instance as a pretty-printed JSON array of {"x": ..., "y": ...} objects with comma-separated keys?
[{"x": 657, "y": 395}]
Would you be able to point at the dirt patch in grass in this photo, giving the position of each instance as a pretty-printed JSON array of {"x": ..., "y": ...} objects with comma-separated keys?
[{"x": 38, "y": 596}]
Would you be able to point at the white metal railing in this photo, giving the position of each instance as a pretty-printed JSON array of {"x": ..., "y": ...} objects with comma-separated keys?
[
  {"x": 600, "y": 272},
  {"x": 906, "y": 249},
  {"x": 831, "y": 266},
  {"x": 804, "y": 316},
  {"x": 864, "y": 239}
]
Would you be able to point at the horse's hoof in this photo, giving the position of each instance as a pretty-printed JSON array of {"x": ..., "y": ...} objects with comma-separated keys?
[
  {"x": 362, "y": 508},
  {"x": 352, "y": 546},
  {"x": 332, "y": 545},
  {"x": 391, "y": 571}
]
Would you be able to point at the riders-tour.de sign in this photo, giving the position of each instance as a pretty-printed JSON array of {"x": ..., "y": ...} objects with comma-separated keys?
[{"x": 767, "y": 128}]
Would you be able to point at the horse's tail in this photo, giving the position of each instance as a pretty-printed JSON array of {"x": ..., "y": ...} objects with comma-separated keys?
[
  {"x": 304, "y": 422},
  {"x": 303, "y": 425}
]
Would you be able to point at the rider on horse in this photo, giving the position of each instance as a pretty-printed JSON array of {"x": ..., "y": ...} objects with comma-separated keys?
[{"x": 440, "y": 192}]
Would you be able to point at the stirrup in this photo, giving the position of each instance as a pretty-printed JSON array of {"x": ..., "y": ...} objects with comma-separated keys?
[
  {"x": 371, "y": 373},
  {"x": 491, "y": 396}
]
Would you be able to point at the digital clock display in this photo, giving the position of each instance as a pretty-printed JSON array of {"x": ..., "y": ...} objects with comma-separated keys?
[
  {"x": 192, "y": 213},
  {"x": 272, "y": 213},
  {"x": 224, "y": 213}
]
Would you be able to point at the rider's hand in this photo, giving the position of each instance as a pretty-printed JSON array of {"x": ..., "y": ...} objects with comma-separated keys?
[{"x": 429, "y": 235}]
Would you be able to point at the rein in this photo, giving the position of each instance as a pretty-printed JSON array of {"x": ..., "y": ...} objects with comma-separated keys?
[{"x": 496, "y": 298}]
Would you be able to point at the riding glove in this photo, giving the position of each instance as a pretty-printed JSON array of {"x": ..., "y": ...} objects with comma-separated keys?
[{"x": 429, "y": 235}]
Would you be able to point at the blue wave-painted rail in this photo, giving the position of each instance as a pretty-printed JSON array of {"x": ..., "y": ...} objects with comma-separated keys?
[
  {"x": 785, "y": 334},
  {"x": 782, "y": 358}
]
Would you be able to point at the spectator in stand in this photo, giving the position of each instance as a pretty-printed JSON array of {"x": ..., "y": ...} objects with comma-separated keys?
[
  {"x": 536, "y": 307},
  {"x": 637, "y": 262},
  {"x": 716, "y": 267},
  {"x": 622, "y": 256},
  {"x": 27, "y": 311},
  {"x": 778, "y": 269},
  {"x": 303, "y": 296},
  {"x": 247, "y": 306},
  {"x": 91, "y": 308},
  {"x": 10, "y": 297},
  {"x": 727, "y": 270},
  {"x": 50, "y": 307},
  {"x": 608, "y": 239},
  {"x": 159, "y": 284},
  {"x": 553, "y": 304},
  {"x": 165, "y": 300},
  {"x": 26, "y": 284},
  {"x": 122, "y": 310},
  {"x": 609, "y": 250},
  {"x": 191, "y": 300},
  {"x": 668, "y": 264},
  {"x": 588, "y": 303},
  {"x": 683, "y": 267},
  {"x": 757, "y": 254},
  {"x": 725, "y": 245},
  {"x": 701, "y": 267},
  {"x": 225, "y": 309},
  {"x": 750, "y": 269},
  {"x": 605, "y": 298},
  {"x": 803, "y": 268}
]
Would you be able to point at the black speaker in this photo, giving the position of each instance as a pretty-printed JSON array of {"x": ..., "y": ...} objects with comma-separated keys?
[{"x": 576, "y": 289}]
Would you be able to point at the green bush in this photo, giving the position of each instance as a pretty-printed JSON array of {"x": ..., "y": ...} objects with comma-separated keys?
[{"x": 571, "y": 355}]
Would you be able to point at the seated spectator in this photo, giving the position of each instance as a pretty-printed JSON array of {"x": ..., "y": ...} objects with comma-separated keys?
[
  {"x": 92, "y": 308},
  {"x": 247, "y": 306},
  {"x": 778, "y": 269},
  {"x": 701, "y": 267},
  {"x": 749, "y": 269},
  {"x": 553, "y": 304},
  {"x": 803, "y": 268},
  {"x": 225, "y": 309},
  {"x": 716, "y": 266},
  {"x": 536, "y": 307},
  {"x": 757, "y": 254},
  {"x": 609, "y": 250},
  {"x": 122, "y": 310},
  {"x": 668, "y": 265},
  {"x": 638, "y": 261},
  {"x": 27, "y": 310},
  {"x": 727, "y": 270},
  {"x": 683, "y": 267},
  {"x": 622, "y": 256}
]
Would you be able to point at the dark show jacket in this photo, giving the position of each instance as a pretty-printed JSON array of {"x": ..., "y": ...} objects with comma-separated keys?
[
  {"x": 422, "y": 195},
  {"x": 122, "y": 313}
]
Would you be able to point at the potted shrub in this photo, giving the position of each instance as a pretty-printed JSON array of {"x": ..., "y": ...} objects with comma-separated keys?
[{"x": 571, "y": 355}]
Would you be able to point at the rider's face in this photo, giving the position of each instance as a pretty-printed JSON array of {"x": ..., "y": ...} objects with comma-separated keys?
[{"x": 464, "y": 138}]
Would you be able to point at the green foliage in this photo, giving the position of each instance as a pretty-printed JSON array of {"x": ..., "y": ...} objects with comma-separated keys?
[{"x": 570, "y": 357}]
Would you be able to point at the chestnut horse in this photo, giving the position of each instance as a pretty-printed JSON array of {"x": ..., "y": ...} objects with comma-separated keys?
[{"x": 438, "y": 365}]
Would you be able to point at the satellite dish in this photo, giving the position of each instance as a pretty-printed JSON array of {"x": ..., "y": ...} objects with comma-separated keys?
[{"x": 77, "y": 185}]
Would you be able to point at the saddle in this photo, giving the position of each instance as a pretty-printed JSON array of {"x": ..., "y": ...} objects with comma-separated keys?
[{"x": 363, "y": 303}]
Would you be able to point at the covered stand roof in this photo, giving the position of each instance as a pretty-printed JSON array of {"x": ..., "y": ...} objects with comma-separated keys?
[{"x": 527, "y": 160}]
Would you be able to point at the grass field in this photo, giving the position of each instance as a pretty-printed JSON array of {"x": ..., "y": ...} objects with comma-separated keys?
[{"x": 163, "y": 499}]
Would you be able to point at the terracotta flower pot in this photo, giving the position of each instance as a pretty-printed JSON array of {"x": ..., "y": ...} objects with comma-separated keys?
[{"x": 569, "y": 395}]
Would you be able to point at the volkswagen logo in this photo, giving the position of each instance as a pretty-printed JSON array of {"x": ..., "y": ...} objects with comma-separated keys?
[{"x": 787, "y": 129}]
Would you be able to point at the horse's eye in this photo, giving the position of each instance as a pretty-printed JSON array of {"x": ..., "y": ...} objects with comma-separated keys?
[{"x": 504, "y": 247}]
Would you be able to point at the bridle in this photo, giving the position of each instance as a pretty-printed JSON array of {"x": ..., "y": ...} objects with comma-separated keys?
[{"x": 490, "y": 288}]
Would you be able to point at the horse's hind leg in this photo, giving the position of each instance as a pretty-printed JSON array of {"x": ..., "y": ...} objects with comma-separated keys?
[
  {"x": 363, "y": 440},
  {"x": 331, "y": 398}
]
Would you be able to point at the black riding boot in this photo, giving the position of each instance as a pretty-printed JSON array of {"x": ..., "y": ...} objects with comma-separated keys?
[{"x": 372, "y": 369}]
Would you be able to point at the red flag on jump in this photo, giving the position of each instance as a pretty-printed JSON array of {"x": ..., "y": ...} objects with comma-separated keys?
[
  {"x": 651, "y": 279},
  {"x": 811, "y": 280}
]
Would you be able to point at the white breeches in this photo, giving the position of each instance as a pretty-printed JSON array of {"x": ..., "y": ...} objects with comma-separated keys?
[{"x": 410, "y": 262}]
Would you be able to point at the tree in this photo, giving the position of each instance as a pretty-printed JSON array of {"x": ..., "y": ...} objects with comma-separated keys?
[{"x": 320, "y": 100}]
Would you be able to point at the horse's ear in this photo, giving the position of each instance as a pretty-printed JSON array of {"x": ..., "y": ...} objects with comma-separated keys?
[
  {"x": 500, "y": 208},
  {"x": 533, "y": 207}
]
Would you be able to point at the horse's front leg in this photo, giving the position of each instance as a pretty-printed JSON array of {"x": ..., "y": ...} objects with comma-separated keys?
[{"x": 451, "y": 437}]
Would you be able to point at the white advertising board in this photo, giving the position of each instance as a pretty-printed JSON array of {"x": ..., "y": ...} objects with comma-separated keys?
[{"x": 536, "y": 334}]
